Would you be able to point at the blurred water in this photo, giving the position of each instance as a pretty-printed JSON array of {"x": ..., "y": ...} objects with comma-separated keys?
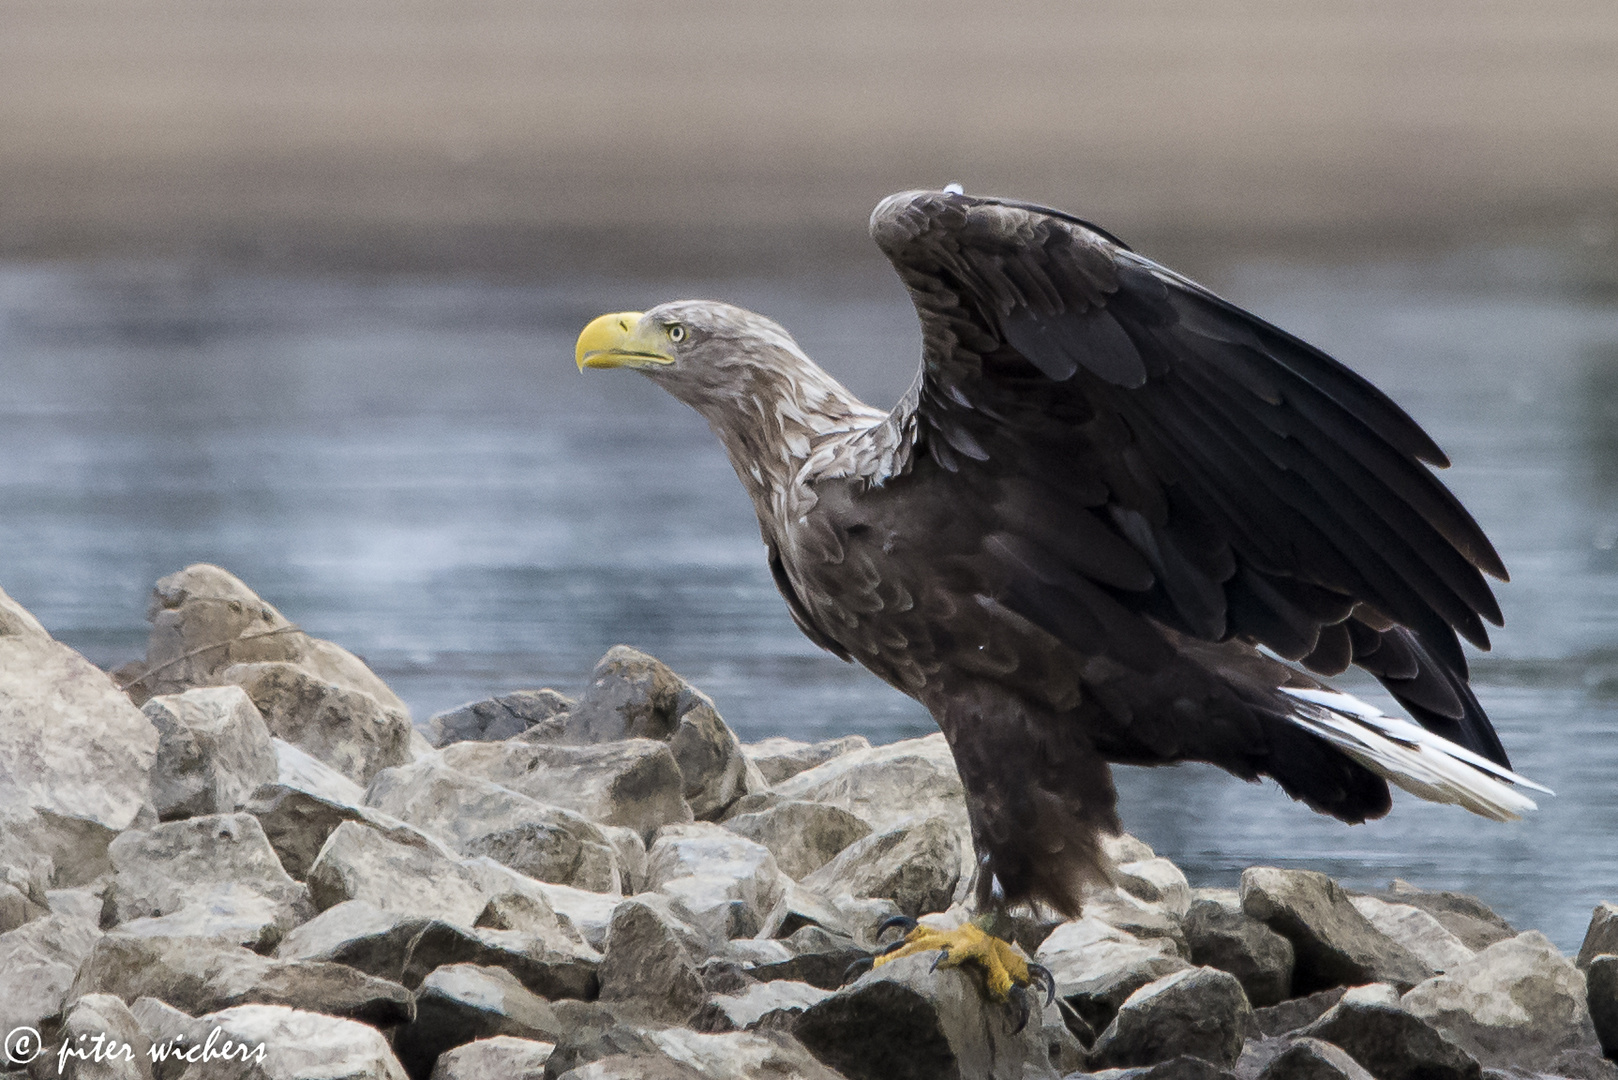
[{"x": 414, "y": 469}]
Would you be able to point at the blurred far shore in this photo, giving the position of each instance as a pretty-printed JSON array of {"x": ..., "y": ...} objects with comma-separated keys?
[{"x": 536, "y": 137}]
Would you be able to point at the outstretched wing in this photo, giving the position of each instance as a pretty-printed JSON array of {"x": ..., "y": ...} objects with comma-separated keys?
[{"x": 1146, "y": 443}]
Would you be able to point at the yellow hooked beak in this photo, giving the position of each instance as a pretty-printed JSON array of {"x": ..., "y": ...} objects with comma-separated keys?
[{"x": 622, "y": 340}]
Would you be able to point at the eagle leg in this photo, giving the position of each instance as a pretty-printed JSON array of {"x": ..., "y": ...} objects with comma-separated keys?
[{"x": 1006, "y": 975}]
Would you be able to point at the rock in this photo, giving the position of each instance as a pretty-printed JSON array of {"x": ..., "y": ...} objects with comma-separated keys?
[
  {"x": 1200, "y": 1011},
  {"x": 228, "y": 912},
  {"x": 546, "y": 966},
  {"x": 1156, "y": 881},
  {"x": 103, "y": 1041},
  {"x": 1393, "y": 1044},
  {"x": 198, "y": 862},
  {"x": 631, "y": 850},
  {"x": 1601, "y": 936},
  {"x": 1136, "y": 917},
  {"x": 197, "y": 976},
  {"x": 497, "y": 718},
  {"x": 480, "y": 817},
  {"x": 799, "y": 907},
  {"x": 309, "y": 800},
  {"x": 1518, "y": 1002},
  {"x": 774, "y": 1004},
  {"x": 588, "y": 913},
  {"x": 905, "y": 1020},
  {"x": 15, "y": 907},
  {"x": 1601, "y": 980},
  {"x": 359, "y": 863},
  {"x": 1311, "y": 1059},
  {"x": 594, "y": 1032},
  {"x": 1097, "y": 967},
  {"x": 38, "y": 961},
  {"x": 213, "y": 751},
  {"x": 1333, "y": 944},
  {"x": 73, "y": 750},
  {"x": 204, "y": 620},
  {"x": 803, "y": 836},
  {"x": 1415, "y": 929},
  {"x": 730, "y": 1056},
  {"x": 358, "y": 934},
  {"x": 725, "y": 883},
  {"x": 635, "y": 783},
  {"x": 81, "y": 903},
  {"x": 777, "y": 759},
  {"x": 462, "y": 1002},
  {"x": 647, "y": 967},
  {"x": 1223, "y": 936},
  {"x": 820, "y": 958},
  {"x": 498, "y": 1057},
  {"x": 1296, "y": 1013},
  {"x": 884, "y": 786},
  {"x": 916, "y": 865},
  {"x": 296, "y": 1045},
  {"x": 1467, "y": 917},
  {"x": 350, "y": 730}
]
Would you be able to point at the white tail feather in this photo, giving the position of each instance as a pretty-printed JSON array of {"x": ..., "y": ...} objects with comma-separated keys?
[{"x": 1407, "y": 754}]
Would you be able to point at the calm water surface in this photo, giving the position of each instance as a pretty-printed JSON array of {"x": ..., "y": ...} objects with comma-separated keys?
[{"x": 414, "y": 469}]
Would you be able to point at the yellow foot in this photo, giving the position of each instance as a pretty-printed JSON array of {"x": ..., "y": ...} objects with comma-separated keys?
[{"x": 1006, "y": 975}]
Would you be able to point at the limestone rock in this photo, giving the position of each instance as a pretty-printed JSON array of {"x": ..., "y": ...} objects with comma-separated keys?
[
  {"x": 106, "y": 1042},
  {"x": 1311, "y": 1059},
  {"x": 197, "y": 976},
  {"x": 1156, "y": 881},
  {"x": 1134, "y": 916},
  {"x": 497, "y": 718},
  {"x": 188, "y": 863},
  {"x": 1333, "y": 944},
  {"x": 1601, "y": 980},
  {"x": 1393, "y": 1044},
  {"x": 631, "y": 850},
  {"x": 1518, "y": 1002},
  {"x": 635, "y": 783},
  {"x": 498, "y": 1057},
  {"x": 350, "y": 730},
  {"x": 462, "y": 1002},
  {"x": 297, "y": 1045},
  {"x": 884, "y": 786},
  {"x": 905, "y": 1020},
  {"x": 358, "y": 934},
  {"x": 1223, "y": 936},
  {"x": 726, "y": 883},
  {"x": 358, "y": 863},
  {"x": 226, "y": 911},
  {"x": 1602, "y": 934},
  {"x": 1415, "y": 929},
  {"x": 480, "y": 817},
  {"x": 1295, "y": 1013},
  {"x": 915, "y": 864},
  {"x": 213, "y": 751},
  {"x": 1467, "y": 917},
  {"x": 819, "y": 958},
  {"x": 773, "y": 1004},
  {"x": 297, "y": 768},
  {"x": 778, "y": 759},
  {"x": 799, "y": 907},
  {"x": 803, "y": 836},
  {"x": 595, "y": 1032},
  {"x": 72, "y": 748},
  {"x": 737, "y": 1055},
  {"x": 588, "y": 913},
  {"x": 544, "y": 965},
  {"x": 1200, "y": 1011},
  {"x": 1097, "y": 967},
  {"x": 38, "y": 961},
  {"x": 204, "y": 620},
  {"x": 647, "y": 967}
]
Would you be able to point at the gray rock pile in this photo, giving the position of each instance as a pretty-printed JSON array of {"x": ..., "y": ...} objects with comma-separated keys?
[{"x": 239, "y": 858}]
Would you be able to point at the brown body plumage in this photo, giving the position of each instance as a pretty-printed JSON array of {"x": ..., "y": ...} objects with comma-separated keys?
[{"x": 1105, "y": 490}]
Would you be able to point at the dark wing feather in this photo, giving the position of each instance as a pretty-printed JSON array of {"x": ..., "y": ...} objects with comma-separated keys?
[{"x": 1145, "y": 443}]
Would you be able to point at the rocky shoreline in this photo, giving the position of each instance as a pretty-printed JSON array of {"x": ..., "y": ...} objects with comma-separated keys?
[{"x": 239, "y": 857}]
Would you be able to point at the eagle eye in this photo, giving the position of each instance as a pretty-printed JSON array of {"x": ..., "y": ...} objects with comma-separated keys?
[{"x": 676, "y": 333}]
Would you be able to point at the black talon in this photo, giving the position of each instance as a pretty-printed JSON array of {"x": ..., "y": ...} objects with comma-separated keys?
[
  {"x": 938, "y": 960},
  {"x": 903, "y": 922},
  {"x": 1019, "y": 994},
  {"x": 857, "y": 968},
  {"x": 892, "y": 946},
  {"x": 1040, "y": 971}
]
